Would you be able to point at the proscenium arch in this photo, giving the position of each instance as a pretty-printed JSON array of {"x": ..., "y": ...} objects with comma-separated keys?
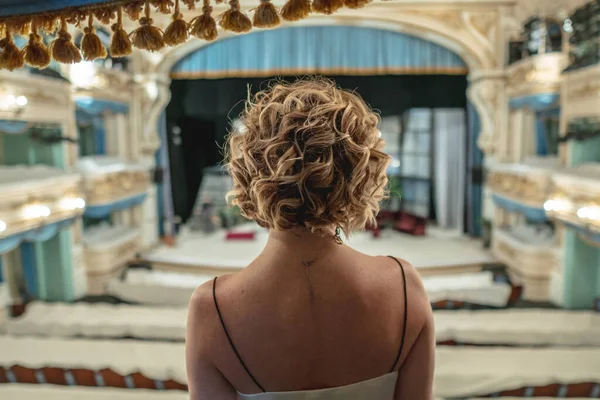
[
  {"x": 472, "y": 55},
  {"x": 329, "y": 50}
]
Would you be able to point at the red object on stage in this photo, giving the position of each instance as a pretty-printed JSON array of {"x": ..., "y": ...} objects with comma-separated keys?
[
  {"x": 411, "y": 224},
  {"x": 240, "y": 236}
]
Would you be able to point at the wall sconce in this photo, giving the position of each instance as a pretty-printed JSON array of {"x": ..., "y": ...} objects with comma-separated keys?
[
  {"x": 35, "y": 211},
  {"x": 12, "y": 104},
  {"x": 557, "y": 205},
  {"x": 72, "y": 203},
  {"x": 83, "y": 74}
]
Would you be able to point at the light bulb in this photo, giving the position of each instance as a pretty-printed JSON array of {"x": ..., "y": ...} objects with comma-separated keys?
[
  {"x": 2, "y": 226},
  {"x": 21, "y": 101}
]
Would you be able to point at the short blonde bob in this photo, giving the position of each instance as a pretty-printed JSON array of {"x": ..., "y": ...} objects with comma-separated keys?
[{"x": 311, "y": 157}]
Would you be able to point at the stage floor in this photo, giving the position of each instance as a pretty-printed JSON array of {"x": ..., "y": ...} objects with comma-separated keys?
[{"x": 437, "y": 253}]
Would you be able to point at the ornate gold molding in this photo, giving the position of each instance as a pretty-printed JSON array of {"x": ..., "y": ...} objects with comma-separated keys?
[
  {"x": 535, "y": 75},
  {"x": 523, "y": 189},
  {"x": 450, "y": 18},
  {"x": 113, "y": 187}
]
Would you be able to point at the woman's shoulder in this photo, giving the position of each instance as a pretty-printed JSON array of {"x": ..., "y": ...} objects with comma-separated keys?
[{"x": 404, "y": 278}]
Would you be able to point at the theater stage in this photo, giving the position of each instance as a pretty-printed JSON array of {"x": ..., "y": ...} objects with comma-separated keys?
[{"x": 440, "y": 252}]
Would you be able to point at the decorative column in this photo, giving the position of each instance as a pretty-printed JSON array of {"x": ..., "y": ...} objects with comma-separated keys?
[
  {"x": 487, "y": 94},
  {"x": 80, "y": 287}
]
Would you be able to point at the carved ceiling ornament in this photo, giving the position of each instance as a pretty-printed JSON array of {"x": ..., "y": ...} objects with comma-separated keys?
[
  {"x": 483, "y": 22},
  {"x": 451, "y": 18}
]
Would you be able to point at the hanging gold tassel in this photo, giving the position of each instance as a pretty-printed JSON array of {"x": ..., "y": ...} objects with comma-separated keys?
[
  {"x": 45, "y": 23},
  {"x": 147, "y": 37},
  {"x": 266, "y": 15},
  {"x": 10, "y": 56},
  {"x": 191, "y": 4},
  {"x": 295, "y": 10},
  {"x": 106, "y": 14},
  {"x": 327, "y": 6},
  {"x": 134, "y": 9},
  {"x": 177, "y": 32},
  {"x": 356, "y": 3},
  {"x": 234, "y": 20},
  {"x": 62, "y": 48},
  {"x": 204, "y": 26},
  {"x": 163, "y": 6},
  {"x": 120, "y": 45},
  {"x": 91, "y": 45},
  {"x": 75, "y": 16},
  {"x": 36, "y": 53}
]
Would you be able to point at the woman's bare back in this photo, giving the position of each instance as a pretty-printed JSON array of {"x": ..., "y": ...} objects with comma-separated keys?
[{"x": 351, "y": 331}]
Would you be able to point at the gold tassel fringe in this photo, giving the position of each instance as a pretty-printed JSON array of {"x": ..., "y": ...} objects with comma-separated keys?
[
  {"x": 176, "y": 33},
  {"x": 63, "y": 49},
  {"x": 106, "y": 14},
  {"x": 36, "y": 53},
  {"x": 295, "y": 10},
  {"x": 134, "y": 9},
  {"x": 191, "y": 4},
  {"x": 354, "y": 4},
  {"x": 10, "y": 56},
  {"x": 163, "y": 6},
  {"x": 204, "y": 26},
  {"x": 327, "y": 6},
  {"x": 266, "y": 15},
  {"x": 120, "y": 45},
  {"x": 234, "y": 20},
  {"x": 91, "y": 45},
  {"x": 147, "y": 37}
]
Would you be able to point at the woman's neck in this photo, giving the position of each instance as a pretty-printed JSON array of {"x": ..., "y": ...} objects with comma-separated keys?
[{"x": 301, "y": 241}]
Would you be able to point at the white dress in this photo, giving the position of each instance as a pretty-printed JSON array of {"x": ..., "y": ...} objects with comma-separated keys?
[{"x": 380, "y": 388}]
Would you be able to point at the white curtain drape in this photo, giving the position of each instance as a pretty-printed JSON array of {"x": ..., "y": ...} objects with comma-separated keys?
[{"x": 450, "y": 167}]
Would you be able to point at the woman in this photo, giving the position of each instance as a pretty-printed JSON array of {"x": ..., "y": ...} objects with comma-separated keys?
[{"x": 310, "y": 318}]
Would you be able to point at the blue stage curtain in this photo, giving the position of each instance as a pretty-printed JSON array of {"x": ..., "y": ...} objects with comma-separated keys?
[
  {"x": 475, "y": 197},
  {"x": 542, "y": 145},
  {"x": 41, "y": 234},
  {"x": 20, "y": 7},
  {"x": 29, "y": 265},
  {"x": 13, "y": 127},
  {"x": 97, "y": 107},
  {"x": 9, "y": 243},
  {"x": 105, "y": 210},
  {"x": 532, "y": 214},
  {"x": 537, "y": 102},
  {"x": 319, "y": 49}
]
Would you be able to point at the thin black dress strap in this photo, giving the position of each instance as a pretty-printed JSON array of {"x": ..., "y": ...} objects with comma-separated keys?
[
  {"x": 405, "y": 314},
  {"x": 231, "y": 341}
]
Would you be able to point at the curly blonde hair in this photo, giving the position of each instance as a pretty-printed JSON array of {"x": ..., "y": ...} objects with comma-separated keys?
[{"x": 311, "y": 157}]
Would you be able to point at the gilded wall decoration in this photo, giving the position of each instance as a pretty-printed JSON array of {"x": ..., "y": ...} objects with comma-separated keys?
[{"x": 527, "y": 190}]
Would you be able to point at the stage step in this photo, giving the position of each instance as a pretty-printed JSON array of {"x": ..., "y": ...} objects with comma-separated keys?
[
  {"x": 55, "y": 392},
  {"x": 100, "y": 320},
  {"x": 460, "y": 371},
  {"x": 474, "y": 288},
  {"x": 518, "y": 327},
  {"x": 511, "y": 327},
  {"x": 174, "y": 289}
]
